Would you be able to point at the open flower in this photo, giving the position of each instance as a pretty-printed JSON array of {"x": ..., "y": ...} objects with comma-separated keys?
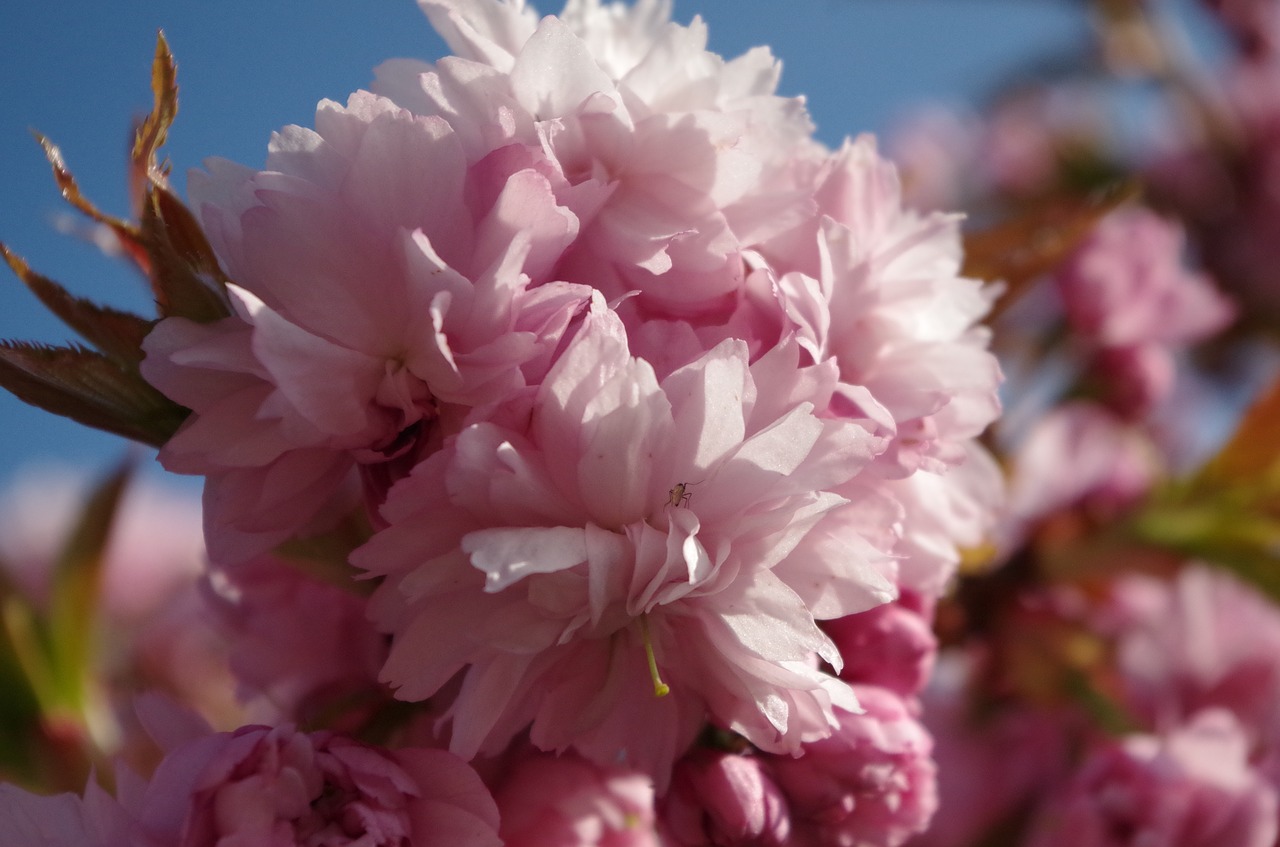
[
  {"x": 1192, "y": 787},
  {"x": 259, "y": 785},
  {"x": 1203, "y": 640},
  {"x": 1132, "y": 300},
  {"x": 299, "y": 648},
  {"x": 626, "y": 538},
  {"x": 872, "y": 782},
  {"x": 371, "y": 296},
  {"x": 687, "y": 156},
  {"x": 876, "y": 288},
  {"x": 264, "y": 786},
  {"x": 565, "y": 801}
]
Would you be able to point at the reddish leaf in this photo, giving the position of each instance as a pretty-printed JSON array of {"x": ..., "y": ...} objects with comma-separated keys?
[
  {"x": 1252, "y": 455},
  {"x": 89, "y": 388},
  {"x": 1037, "y": 239},
  {"x": 126, "y": 233},
  {"x": 115, "y": 333},
  {"x": 150, "y": 135},
  {"x": 185, "y": 276}
]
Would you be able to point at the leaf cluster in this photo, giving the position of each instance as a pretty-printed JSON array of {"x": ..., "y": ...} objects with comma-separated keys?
[{"x": 100, "y": 385}]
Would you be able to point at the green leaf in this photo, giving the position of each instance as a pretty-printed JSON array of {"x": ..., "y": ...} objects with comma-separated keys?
[
  {"x": 89, "y": 388},
  {"x": 116, "y": 334},
  {"x": 1243, "y": 537},
  {"x": 1229, "y": 511},
  {"x": 30, "y": 648},
  {"x": 76, "y": 587}
]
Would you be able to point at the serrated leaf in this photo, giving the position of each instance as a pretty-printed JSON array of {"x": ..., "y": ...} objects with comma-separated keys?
[
  {"x": 185, "y": 277},
  {"x": 1037, "y": 239},
  {"x": 150, "y": 135},
  {"x": 114, "y": 333},
  {"x": 76, "y": 587},
  {"x": 89, "y": 388},
  {"x": 187, "y": 237},
  {"x": 126, "y": 233}
]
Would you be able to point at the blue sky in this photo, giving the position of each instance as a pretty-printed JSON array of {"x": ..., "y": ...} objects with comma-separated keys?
[{"x": 78, "y": 72}]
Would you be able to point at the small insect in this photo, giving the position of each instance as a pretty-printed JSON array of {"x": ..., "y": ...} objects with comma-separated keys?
[{"x": 680, "y": 495}]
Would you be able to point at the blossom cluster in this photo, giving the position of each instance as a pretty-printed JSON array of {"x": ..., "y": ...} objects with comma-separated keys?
[
  {"x": 585, "y": 448},
  {"x": 593, "y": 457}
]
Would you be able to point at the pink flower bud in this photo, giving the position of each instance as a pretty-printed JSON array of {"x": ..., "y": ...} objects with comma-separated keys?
[
  {"x": 567, "y": 801},
  {"x": 889, "y": 646},
  {"x": 726, "y": 800},
  {"x": 870, "y": 782}
]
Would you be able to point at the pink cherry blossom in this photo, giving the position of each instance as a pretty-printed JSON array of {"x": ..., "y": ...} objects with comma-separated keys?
[
  {"x": 871, "y": 782},
  {"x": 1201, "y": 641},
  {"x": 688, "y": 154},
  {"x": 367, "y": 305},
  {"x": 297, "y": 646},
  {"x": 890, "y": 646},
  {"x": 1079, "y": 455},
  {"x": 627, "y": 536},
  {"x": 1190, "y": 788},
  {"x": 876, "y": 288},
  {"x": 260, "y": 785},
  {"x": 1128, "y": 295},
  {"x": 638, "y": 382},
  {"x": 264, "y": 786},
  {"x": 566, "y": 801},
  {"x": 724, "y": 799}
]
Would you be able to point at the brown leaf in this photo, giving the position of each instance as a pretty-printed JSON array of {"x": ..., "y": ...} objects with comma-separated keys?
[
  {"x": 126, "y": 232},
  {"x": 89, "y": 388},
  {"x": 1252, "y": 455},
  {"x": 185, "y": 276},
  {"x": 150, "y": 135},
  {"x": 154, "y": 129},
  {"x": 1037, "y": 239},
  {"x": 115, "y": 333}
]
